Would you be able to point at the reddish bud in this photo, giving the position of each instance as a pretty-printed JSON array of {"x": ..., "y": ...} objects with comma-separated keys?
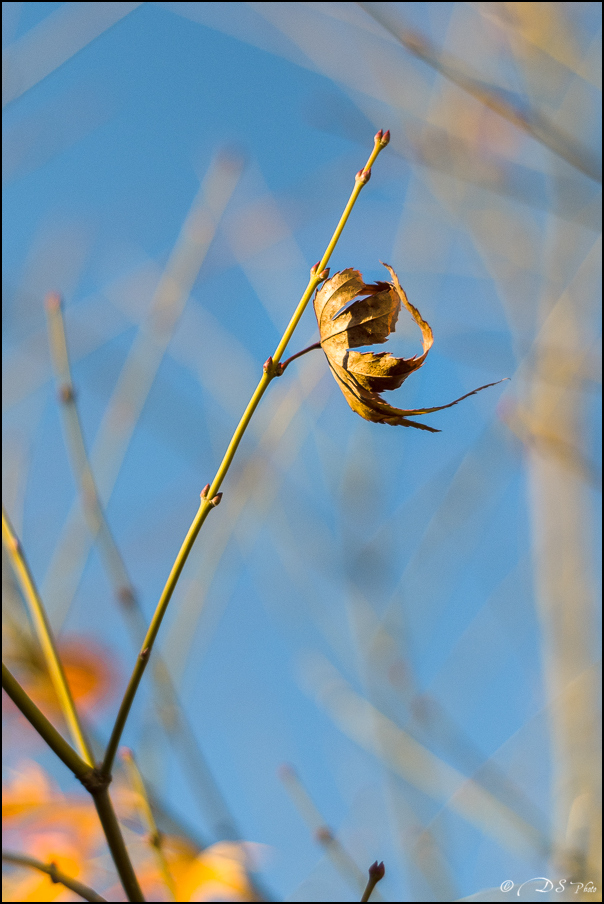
[
  {"x": 324, "y": 835},
  {"x": 386, "y": 138},
  {"x": 126, "y": 596},
  {"x": 363, "y": 176},
  {"x": 377, "y": 871},
  {"x": 286, "y": 772},
  {"x": 378, "y": 135},
  {"x": 271, "y": 369},
  {"x": 204, "y": 492},
  {"x": 314, "y": 269},
  {"x": 216, "y": 499},
  {"x": 144, "y": 654},
  {"x": 13, "y": 543},
  {"x": 52, "y": 301},
  {"x": 324, "y": 273}
]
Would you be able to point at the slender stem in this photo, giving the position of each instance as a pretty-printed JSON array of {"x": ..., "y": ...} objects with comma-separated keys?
[
  {"x": 310, "y": 348},
  {"x": 361, "y": 179},
  {"x": 148, "y": 819},
  {"x": 55, "y": 874},
  {"x": 209, "y": 498},
  {"x": 143, "y": 657},
  {"x": 44, "y": 635},
  {"x": 115, "y": 840},
  {"x": 45, "y": 729}
]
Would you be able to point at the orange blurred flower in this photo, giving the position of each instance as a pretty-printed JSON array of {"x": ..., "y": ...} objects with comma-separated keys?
[{"x": 89, "y": 669}]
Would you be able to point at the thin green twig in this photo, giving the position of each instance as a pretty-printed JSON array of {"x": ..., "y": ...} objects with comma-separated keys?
[
  {"x": 44, "y": 634},
  {"x": 45, "y": 729},
  {"x": 210, "y": 497}
]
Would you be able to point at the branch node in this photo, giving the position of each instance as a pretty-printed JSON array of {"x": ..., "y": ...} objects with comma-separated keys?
[
  {"x": 271, "y": 369},
  {"x": 324, "y": 835},
  {"x": 155, "y": 839},
  {"x": 126, "y": 596},
  {"x": 95, "y": 781},
  {"x": 66, "y": 394}
]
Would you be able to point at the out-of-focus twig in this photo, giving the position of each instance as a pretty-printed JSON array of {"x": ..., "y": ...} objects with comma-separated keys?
[
  {"x": 544, "y": 440},
  {"x": 531, "y": 121},
  {"x": 340, "y": 858},
  {"x": 148, "y": 819},
  {"x": 405, "y": 756},
  {"x": 142, "y": 364},
  {"x": 54, "y": 873},
  {"x": 169, "y": 709}
]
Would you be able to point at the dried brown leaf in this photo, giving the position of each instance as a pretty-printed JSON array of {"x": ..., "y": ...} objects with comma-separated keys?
[{"x": 352, "y": 313}]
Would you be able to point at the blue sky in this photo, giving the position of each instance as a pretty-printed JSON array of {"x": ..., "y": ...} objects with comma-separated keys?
[{"x": 403, "y": 560}]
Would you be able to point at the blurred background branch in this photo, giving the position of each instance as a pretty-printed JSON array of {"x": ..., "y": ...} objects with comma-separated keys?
[{"x": 363, "y": 593}]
